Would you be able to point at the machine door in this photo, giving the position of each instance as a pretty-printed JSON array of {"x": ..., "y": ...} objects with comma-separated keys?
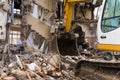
[{"x": 109, "y": 26}]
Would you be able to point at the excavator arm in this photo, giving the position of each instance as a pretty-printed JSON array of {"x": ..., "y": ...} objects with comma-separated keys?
[{"x": 69, "y": 5}]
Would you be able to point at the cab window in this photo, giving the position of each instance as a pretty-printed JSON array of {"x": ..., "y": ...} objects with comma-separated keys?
[{"x": 111, "y": 16}]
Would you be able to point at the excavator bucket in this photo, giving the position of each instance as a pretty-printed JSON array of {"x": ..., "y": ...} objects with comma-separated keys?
[{"x": 67, "y": 46}]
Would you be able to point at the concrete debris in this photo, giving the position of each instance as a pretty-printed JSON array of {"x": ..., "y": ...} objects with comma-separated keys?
[
  {"x": 32, "y": 66},
  {"x": 25, "y": 65},
  {"x": 9, "y": 78},
  {"x": 19, "y": 62}
]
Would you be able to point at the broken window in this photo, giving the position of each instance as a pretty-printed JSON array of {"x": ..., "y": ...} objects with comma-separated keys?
[{"x": 14, "y": 37}]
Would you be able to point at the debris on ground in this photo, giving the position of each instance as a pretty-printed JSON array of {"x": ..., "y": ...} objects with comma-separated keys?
[{"x": 25, "y": 65}]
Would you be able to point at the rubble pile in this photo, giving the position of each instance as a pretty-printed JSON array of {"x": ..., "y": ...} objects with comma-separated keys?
[{"x": 25, "y": 65}]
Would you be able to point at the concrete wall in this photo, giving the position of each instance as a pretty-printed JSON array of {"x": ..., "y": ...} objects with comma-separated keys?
[{"x": 47, "y": 4}]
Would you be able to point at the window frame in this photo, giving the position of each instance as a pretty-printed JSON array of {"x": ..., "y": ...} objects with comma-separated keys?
[{"x": 12, "y": 34}]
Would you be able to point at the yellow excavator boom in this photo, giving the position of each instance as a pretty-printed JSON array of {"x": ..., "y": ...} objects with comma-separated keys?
[{"x": 68, "y": 5}]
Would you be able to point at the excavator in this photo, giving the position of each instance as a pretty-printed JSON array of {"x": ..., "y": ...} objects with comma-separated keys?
[
  {"x": 72, "y": 36},
  {"x": 59, "y": 29},
  {"x": 105, "y": 67},
  {"x": 104, "y": 63}
]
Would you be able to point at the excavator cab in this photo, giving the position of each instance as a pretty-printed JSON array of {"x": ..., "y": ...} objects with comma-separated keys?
[{"x": 109, "y": 26}]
